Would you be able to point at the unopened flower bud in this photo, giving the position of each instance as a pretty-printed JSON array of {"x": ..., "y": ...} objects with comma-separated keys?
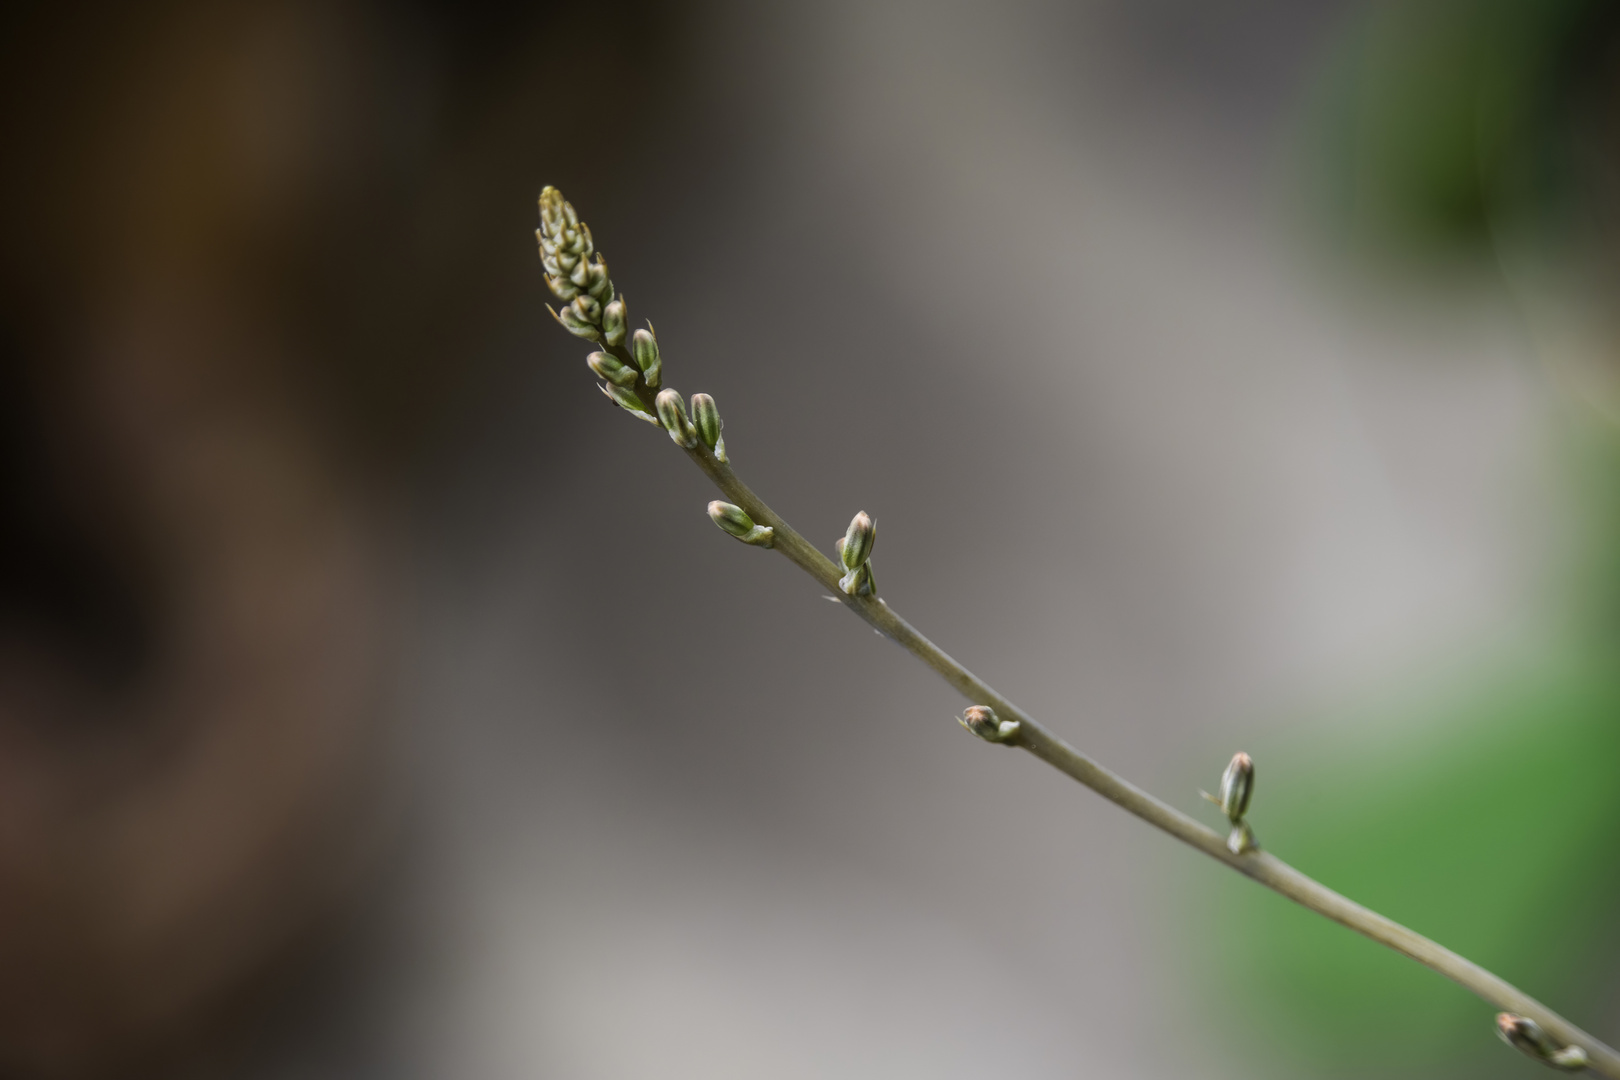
[
  {"x": 580, "y": 273},
  {"x": 587, "y": 309},
  {"x": 597, "y": 282},
  {"x": 644, "y": 347},
  {"x": 735, "y": 520},
  {"x": 573, "y": 323},
  {"x": 983, "y": 722},
  {"x": 629, "y": 402},
  {"x": 1237, "y": 784},
  {"x": 672, "y": 411},
  {"x": 609, "y": 367},
  {"x": 1522, "y": 1033},
  {"x": 858, "y": 541},
  {"x": 613, "y": 322},
  {"x": 706, "y": 418}
]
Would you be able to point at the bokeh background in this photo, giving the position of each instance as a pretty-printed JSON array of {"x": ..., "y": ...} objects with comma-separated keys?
[{"x": 376, "y": 701}]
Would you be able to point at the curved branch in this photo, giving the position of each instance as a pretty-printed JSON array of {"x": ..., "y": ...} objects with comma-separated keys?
[{"x": 1259, "y": 865}]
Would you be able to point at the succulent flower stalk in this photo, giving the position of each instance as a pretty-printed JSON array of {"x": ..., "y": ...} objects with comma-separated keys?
[{"x": 590, "y": 309}]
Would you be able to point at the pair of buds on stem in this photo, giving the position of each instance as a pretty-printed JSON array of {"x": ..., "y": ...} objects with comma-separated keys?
[
  {"x": 643, "y": 350},
  {"x": 1527, "y": 1036},
  {"x": 705, "y": 423},
  {"x": 854, "y": 547},
  {"x": 1237, "y": 785}
]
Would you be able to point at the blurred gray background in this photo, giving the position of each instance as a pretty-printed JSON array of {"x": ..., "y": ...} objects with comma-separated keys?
[{"x": 1036, "y": 286}]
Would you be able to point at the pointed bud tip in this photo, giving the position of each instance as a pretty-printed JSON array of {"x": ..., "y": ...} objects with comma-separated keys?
[{"x": 858, "y": 541}]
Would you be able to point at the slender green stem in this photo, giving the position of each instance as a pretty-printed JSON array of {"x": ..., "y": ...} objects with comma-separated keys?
[
  {"x": 1259, "y": 865},
  {"x": 560, "y": 239}
]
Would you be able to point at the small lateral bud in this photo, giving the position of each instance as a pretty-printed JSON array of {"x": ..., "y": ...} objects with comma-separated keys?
[
  {"x": 1522, "y": 1033},
  {"x": 1570, "y": 1058},
  {"x": 613, "y": 322},
  {"x": 644, "y": 347},
  {"x": 735, "y": 520},
  {"x": 706, "y": 418},
  {"x": 608, "y": 367},
  {"x": 672, "y": 411},
  {"x": 1528, "y": 1037},
  {"x": 858, "y": 541},
  {"x": 1237, "y": 784},
  {"x": 983, "y": 722}
]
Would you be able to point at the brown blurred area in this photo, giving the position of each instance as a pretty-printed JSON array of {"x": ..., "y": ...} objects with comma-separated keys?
[
  {"x": 248, "y": 249},
  {"x": 375, "y": 701}
]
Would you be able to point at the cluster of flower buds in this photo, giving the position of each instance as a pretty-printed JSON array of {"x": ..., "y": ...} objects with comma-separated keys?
[
  {"x": 1237, "y": 785},
  {"x": 576, "y": 272},
  {"x": 590, "y": 309},
  {"x": 735, "y": 520},
  {"x": 855, "y": 552},
  {"x": 1527, "y": 1036},
  {"x": 704, "y": 425},
  {"x": 983, "y": 722}
]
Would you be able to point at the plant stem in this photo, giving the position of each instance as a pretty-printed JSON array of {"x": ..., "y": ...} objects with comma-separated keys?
[{"x": 1259, "y": 865}]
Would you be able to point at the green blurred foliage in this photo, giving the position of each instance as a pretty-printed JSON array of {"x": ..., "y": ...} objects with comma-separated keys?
[
  {"x": 1490, "y": 822},
  {"x": 1437, "y": 120},
  {"x": 1482, "y": 808}
]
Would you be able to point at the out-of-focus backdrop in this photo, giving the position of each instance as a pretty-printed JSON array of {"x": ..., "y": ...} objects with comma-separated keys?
[{"x": 376, "y": 701}]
